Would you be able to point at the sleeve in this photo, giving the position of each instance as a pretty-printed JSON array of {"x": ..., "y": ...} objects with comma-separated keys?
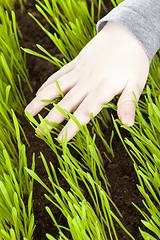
[{"x": 141, "y": 18}]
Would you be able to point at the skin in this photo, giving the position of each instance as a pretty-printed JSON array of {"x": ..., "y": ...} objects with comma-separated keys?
[{"x": 112, "y": 63}]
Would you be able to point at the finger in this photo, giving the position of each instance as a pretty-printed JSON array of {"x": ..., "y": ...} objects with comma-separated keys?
[
  {"x": 60, "y": 73},
  {"x": 70, "y": 102},
  {"x": 91, "y": 104},
  {"x": 51, "y": 92},
  {"x": 126, "y": 105}
]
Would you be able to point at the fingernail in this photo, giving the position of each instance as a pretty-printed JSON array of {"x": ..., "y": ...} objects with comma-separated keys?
[
  {"x": 59, "y": 137},
  {"x": 129, "y": 120},
  {"x": 29, "y": 109}
]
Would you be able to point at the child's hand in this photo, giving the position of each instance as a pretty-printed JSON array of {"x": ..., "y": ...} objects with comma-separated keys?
[{"x": 112, "y": 63}]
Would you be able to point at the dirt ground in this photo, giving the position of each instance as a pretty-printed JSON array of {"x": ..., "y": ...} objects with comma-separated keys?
[{"x": 120, "y": 172}]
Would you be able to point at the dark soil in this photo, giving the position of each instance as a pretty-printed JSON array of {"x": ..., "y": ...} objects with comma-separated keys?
[{"x": 120, "y": 172}]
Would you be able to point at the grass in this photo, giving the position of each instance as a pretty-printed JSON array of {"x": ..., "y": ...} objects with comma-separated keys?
[
  {"x": 87, "y": 219},
  {"x": 144, "y": 151},
  {"x": 13, "y": 65},
  {"x": 115, "y": 3},
  {"x": 12, "y": 70},
  {"x": 80, "y": 213},
  {"x": 74, "y": 26},
  {"x": 9, "y": 4},
  {"x": 16, "y": 186},
  {"x": 16, "y": 220}
]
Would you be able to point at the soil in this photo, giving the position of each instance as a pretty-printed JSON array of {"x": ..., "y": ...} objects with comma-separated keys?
[{"x": 120, "y": 171}]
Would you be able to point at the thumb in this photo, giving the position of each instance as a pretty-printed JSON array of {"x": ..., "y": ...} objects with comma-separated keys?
[{"x": 126, "y": 106}]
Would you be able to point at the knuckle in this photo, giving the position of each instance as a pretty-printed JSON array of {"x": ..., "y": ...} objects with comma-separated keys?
[
  {"x": 63, "y": 69},
  {"x": 42, "y": 95},
  {"x": 67, "y": 101},
  {"x": 83, "y": 110},
  {"x": 127, "y": 103},
  {"x": 45, "y": 93}
]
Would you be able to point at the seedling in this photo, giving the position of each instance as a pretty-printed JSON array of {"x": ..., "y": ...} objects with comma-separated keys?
[
  {"x": 71, "y": 35},
  {"x": 16, "y": 221},
  {"x": 9, "y": 4},
  {"x": 74, "y": 26},
  {"x": 145, "y": 151}
]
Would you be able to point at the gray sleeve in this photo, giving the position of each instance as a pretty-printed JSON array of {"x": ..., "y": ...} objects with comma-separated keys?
[{"x": 141, "y": 18}]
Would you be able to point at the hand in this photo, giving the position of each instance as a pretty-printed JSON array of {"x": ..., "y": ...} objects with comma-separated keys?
[{"x": 112, "y": 63}]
